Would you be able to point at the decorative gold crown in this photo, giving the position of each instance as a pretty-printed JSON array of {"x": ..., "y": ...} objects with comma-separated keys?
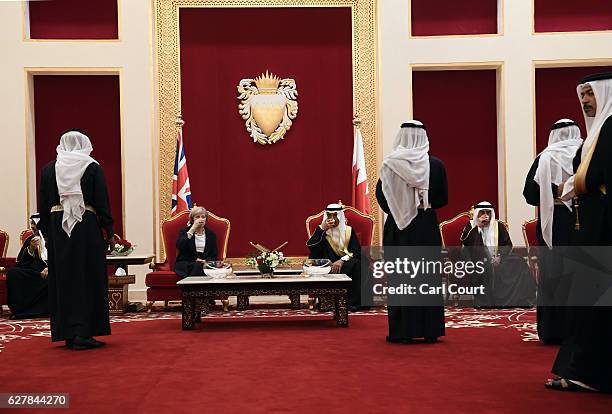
[{"x": 267, "y": 83}]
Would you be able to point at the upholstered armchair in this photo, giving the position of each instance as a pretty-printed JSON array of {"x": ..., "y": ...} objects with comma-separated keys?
[
  {"x": 531, "y": 243},
  {"x": 23, "y": 236},
  {"x": 450, "y": 232},
  {"x": 5, "y": 263},
  {"x": 363, "y": 226},
  {"x": 161, "y": 282}
]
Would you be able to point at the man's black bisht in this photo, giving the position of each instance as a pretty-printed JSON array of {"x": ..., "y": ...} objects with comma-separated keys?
[{"x": 78, "y": 280}]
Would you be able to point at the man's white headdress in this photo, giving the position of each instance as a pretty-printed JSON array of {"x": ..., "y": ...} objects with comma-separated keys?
[
  {"x": 71, "y": 162},
  {"x": 405, "y": 173},
  {"x": 555, "y": 167},
  {"x": 338, "y": 233},
  {"x": 489, "y": 232}
]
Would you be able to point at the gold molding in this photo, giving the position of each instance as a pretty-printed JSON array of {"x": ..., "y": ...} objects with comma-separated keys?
[
  {"x": 552, "y": 64},
  {"x": 500, "y": 26},
  {"x": 25, "y": 38},
  {"x": 30, "y": 72},
  {"x": 579, "y": 32},
  {"x": 498, "y": 66},
  {"x": 525, "y": 223},
  {"x": 167, "y": 50},
  {"x": 7, "y": 237}
]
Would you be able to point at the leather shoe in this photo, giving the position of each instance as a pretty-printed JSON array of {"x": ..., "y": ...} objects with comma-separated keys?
[
  {"x": 100, "y": 343},
  {"x": 81, "y": 343},
  {"x": 404, "y": 341}
]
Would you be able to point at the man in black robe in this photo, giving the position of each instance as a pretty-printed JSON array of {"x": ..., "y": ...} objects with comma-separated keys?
[
  {"x": 412, "y": 185},
  {"x": 552, "y": 167},
  {"x": 584, "y": 361},
  {"x": 28, "y": 295},
  {"x": 507, "y": 280},
  {"x": 333, "y": 239},
  {"x": 74, "y": 209}
]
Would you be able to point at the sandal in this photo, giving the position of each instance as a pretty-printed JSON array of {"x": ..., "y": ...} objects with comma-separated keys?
[{"x": 563, "y": 384}]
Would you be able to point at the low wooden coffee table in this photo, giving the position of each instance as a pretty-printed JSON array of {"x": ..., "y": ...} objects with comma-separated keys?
[{"x": 199, "y": 290}]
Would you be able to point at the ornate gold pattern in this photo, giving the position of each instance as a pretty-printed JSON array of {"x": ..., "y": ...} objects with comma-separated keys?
[
  {"x": 268, "y": 105},
  {"x": 167, "y": 45},
  {"x": 118, "y": 293}
]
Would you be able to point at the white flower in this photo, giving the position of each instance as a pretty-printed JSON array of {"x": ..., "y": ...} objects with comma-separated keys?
[{"x": 274, "y": 263}]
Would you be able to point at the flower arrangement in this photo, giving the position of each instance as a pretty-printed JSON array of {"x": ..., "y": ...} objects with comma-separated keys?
[
  {"x": 122, "y": 248},
  {"x": 267, "y": 262}
]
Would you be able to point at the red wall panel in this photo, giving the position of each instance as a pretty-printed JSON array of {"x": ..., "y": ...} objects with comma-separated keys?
[
  {"x": 89, "y": 103},
  {"x": 572, "y": 15},
  {"x": 459, "y": 109},
  {"x": 452, "y": 17},
  {"x": 556, "y": 98},
  {"x": 267, "y": 191},
  {"x": 73, "y": 19}
]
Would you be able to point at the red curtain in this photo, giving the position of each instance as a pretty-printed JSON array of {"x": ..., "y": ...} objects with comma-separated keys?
[
  {"x": 73, "y": 19},
  {"x": 459, "y": 109},
  {"x": 572, "y": 15},
  {"x": 89, "y": 103},
  {"x": 452, "y": 17},
  {"x": 556, "y": 98},
  {"x": 267, "y": 191}
]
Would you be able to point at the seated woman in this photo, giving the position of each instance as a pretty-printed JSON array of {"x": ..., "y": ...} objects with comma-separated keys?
[
  {"x": 26, "y": 283},
  {"x": 196, "y": 244},
  {"x": 506, "y": 279}
]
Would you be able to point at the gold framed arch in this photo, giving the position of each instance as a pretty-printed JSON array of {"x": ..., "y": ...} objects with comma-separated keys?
[{"x": 167, "y": 48}]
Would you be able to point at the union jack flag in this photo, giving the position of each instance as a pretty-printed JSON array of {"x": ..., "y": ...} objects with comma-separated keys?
[{"x": 181, "y": 192}]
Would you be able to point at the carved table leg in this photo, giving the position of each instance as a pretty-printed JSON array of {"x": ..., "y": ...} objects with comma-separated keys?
[
  {"x": 327, "y": 303},
  {"x": 242, "y": 302},
  {"x": 188, "y": 312},
  {"x": 295, "y": 300},
  {"x": 205, "y": 308},
  {"x": 342, "y": 319},
  {"x": 336, "y": 307},
  {"x": 198, "y": 307}
]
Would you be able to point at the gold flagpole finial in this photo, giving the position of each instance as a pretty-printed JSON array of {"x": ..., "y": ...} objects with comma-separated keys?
[{"x": 179, "y": 120}]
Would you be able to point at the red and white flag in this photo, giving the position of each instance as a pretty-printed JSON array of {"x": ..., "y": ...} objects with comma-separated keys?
[
  {"x": 361, "y": 194},
  {"x": 181, "y": 191}
]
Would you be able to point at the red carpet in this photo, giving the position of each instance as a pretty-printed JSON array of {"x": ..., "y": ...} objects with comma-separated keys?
[{"x": 487, "y": 363}]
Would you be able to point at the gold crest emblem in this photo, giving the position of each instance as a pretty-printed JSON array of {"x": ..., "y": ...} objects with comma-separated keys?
[{"x": 268, "y": 105}]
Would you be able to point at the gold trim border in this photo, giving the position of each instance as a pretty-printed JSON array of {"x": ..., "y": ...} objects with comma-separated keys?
[
  {"x": 556, "y": 64},
  {"x": 572, "y": 32},
  {"x": 167, "y": 50},
  {"x": 501, "y": 14},
  {"x": 25, "y": 24},
  {"x": 552, "y": 64},
  {"x": 498, "y": 66},
  {"x": 29, "y": 73}
]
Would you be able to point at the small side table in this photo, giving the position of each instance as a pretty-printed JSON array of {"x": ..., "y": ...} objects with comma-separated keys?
[
  {"x": 118, "y": 285},
  {"x": 118, "y": 293}
]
